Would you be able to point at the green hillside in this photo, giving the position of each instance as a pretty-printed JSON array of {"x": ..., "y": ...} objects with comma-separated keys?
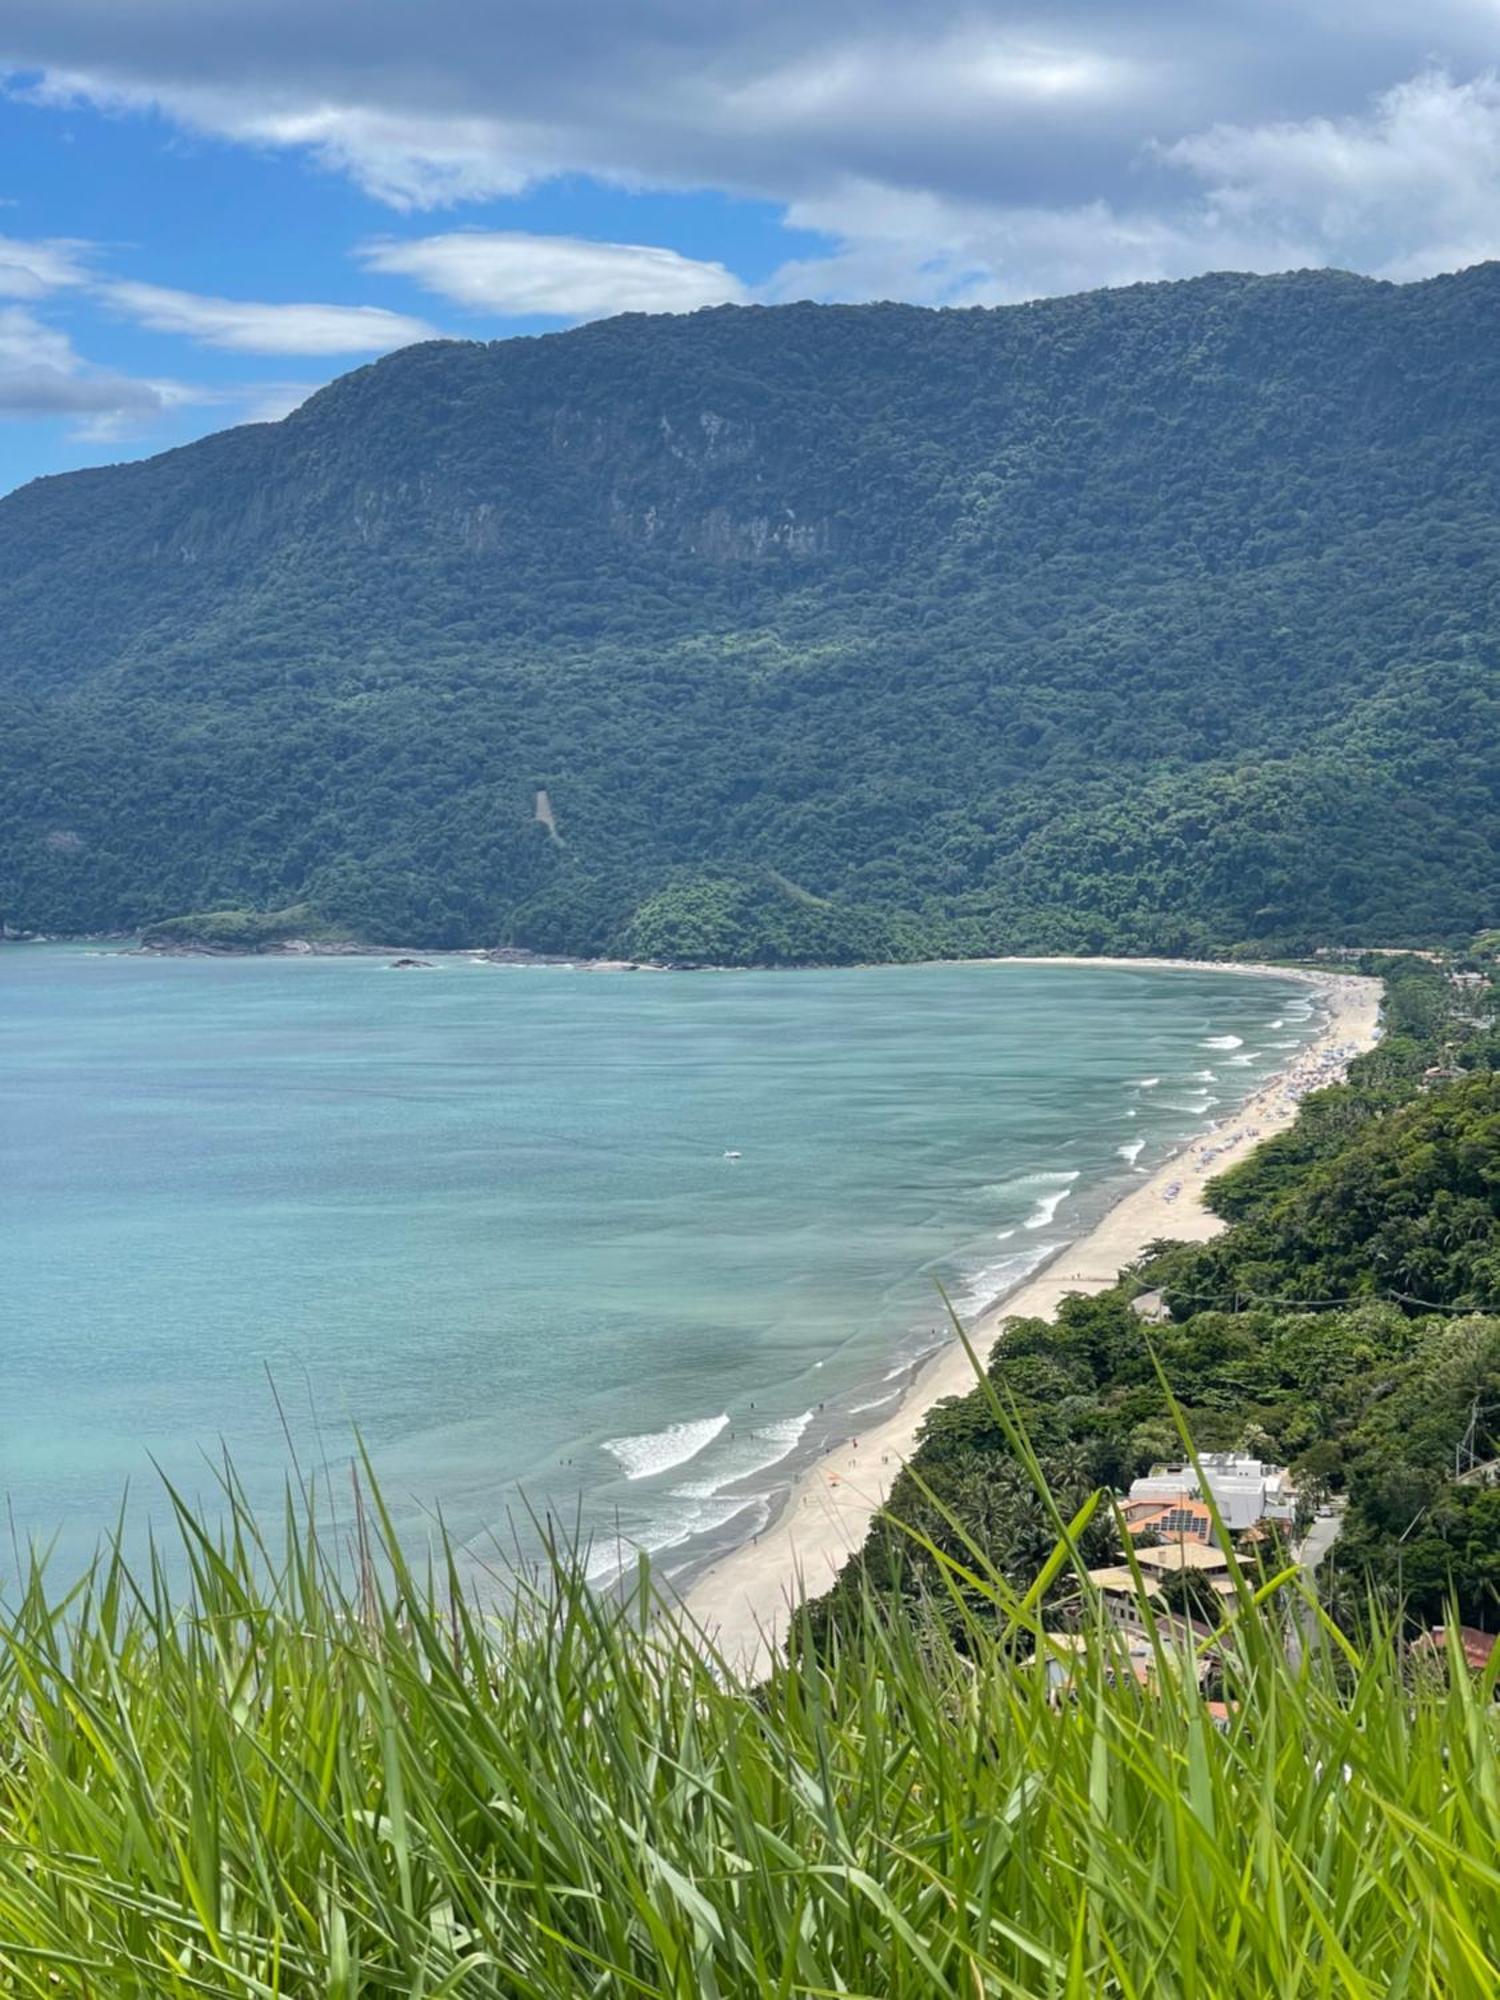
[
  {"x": 1344, "y": 1325},
  {"x": 1159, "y": 618}
]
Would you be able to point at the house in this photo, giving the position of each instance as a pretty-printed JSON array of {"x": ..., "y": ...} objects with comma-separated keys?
[
  {"x": 1151, "y": 1307},
  {"x": 1122, "y": 1597},
  {"x": 1477, "y": 1646},
  {"x": 1182, "y": 1517},
  {"x": 1203, "y": 1557},
  {"x": 1178, "y": 1556},
  {"x": 1126, "y": 1655},
  {"x": 1118, "y": 1581},
  {"x": 1245, "y": 1490}
]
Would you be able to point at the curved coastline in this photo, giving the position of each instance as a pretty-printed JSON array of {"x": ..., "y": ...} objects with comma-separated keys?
[{"x": 744, "y": 1601}]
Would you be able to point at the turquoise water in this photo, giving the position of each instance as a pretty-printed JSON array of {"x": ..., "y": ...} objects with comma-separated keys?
[{"x": 485, "y": 1215}]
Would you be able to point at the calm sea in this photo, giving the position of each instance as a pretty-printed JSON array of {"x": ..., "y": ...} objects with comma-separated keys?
[{"x": 625, "y": 1248}]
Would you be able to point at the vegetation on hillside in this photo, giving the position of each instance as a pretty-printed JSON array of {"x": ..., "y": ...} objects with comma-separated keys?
[
  {"x": 1347, "y": 1324},
  {"x": 1154, "y": 619},
  {"x": 244, "y": 930}
]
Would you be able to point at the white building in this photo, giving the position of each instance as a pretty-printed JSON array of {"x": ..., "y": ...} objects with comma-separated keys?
[{"x": 1245, "y": 1490}]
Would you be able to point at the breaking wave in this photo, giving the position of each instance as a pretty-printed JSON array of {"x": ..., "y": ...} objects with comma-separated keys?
[
  {"x": 1049, "y": 1203},
  {"x": 981, "y": 1287},
  {"x": 756, "y": 1452},
  {"x": 659, "y": 1451},
  {"x": 612, "y": 1553}
]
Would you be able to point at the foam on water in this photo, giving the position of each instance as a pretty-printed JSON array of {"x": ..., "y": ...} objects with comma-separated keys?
[
  {"x": 1047, "y": 1190},
  {"x": 1223, "y": 1042},
  {"x": 659, "y": 1451},
  {"x": 875, "y": 1403},
  {"x": 1050, "y": 1203},
  {"x": 1131, "y": 1151},
  {"x": 981, "y": 1287},
  {"x": 1148, "y": 1083},
  {"x": 744, "y": 1456},
  {"x": 1044, "y": 1177},
  {"x": 1241, "y": 1062},
  {"x": 611, "y": 1555}
]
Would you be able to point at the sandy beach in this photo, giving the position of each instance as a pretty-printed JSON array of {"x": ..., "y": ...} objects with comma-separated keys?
[{"x": 744, "y": 1600}]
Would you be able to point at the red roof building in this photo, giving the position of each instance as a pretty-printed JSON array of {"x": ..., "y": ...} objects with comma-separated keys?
[{"x": 1477, "y": 1646}]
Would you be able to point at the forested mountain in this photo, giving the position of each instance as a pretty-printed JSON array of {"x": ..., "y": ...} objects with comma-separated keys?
[{"x": 1165, "y": 617}]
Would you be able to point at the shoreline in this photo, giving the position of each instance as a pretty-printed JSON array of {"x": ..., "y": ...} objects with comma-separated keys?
[
  {"x": 744, "y": 1601},
  {"x": 129, "y": 944}
]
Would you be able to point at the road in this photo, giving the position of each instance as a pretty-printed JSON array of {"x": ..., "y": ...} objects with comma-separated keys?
[{"x": 1310, "y": 1552}]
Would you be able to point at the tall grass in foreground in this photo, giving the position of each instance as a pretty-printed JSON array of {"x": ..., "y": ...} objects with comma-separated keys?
[{"x": 270, "y": 1783}]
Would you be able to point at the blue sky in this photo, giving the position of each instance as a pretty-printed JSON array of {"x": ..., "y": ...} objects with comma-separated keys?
[{"x": 211, "y": 207}]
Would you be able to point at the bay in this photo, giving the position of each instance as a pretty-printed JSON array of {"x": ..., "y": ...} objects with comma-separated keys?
[{"x": 619, "y": 1249}]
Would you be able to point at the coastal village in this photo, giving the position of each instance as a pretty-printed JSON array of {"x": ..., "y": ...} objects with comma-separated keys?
[{"x": 1183, "y": 1527}]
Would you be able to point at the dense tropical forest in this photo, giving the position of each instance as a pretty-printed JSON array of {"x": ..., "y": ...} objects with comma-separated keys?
[
  {"x": 1346, "y": 1324},
  {"x": 1157, "y": 619}
]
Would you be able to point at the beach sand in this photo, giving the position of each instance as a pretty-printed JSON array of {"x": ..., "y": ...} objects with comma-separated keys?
[{"x": 744, "y": 1601}]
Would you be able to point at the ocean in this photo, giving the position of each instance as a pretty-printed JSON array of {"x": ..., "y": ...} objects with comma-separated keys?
[{"x": 617, "y": 1251}]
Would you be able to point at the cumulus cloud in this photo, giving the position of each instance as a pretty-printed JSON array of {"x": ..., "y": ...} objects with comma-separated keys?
[
  {"x": 252, "y": 328},
  {"x": 1407, "y": 187},
  {"x": 1410, "y": 187},
  {"x": 511, "y": 273}
]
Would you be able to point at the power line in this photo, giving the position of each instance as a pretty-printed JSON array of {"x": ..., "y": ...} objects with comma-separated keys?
[{"x": 1245, "y": 1301}]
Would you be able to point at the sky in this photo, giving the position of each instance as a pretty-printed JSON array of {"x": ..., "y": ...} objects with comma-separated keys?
[{"x": 209, "y": 208}]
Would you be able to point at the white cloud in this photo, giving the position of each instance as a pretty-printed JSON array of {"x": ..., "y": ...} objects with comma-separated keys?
[
  {"x": 406, "y": 161},
  {"x": 511, "y": 273},
  {"x": 252, "y": 328},
  {"x": 41, "y": 375},
  {"x": 1407, "y": 188},
  {"x": 269, "y": 402},
  {"x": 932, "y": 251},
  {"x": 765, "y": 97},
  {"x": 25, "y": 341},
  {"x": 948, "y": 149},
  {"x": 402, "y": 156},
  {"x": 926, "y": 84},
  {"x": 32, "y": 270}
]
